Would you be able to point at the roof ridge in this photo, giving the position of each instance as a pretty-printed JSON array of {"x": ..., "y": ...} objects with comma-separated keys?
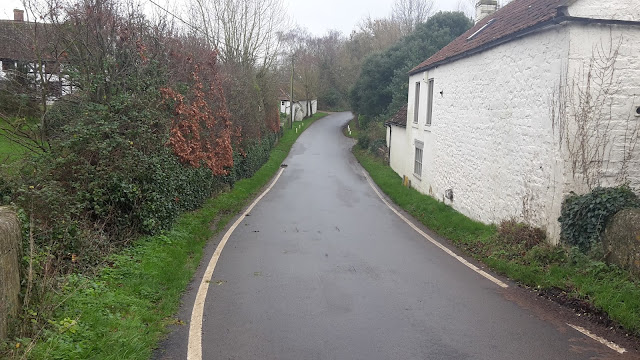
[{"x": 514, "y": 17}]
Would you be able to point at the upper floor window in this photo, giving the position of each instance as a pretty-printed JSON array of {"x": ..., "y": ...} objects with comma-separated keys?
[
  {"x": 430, "y": 102},
  {"x": 416, "y": 108}
]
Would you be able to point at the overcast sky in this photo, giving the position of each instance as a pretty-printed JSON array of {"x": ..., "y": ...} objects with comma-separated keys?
[
  {"x": 344, "y": 15},
  {"x": 318, "y": 16}
]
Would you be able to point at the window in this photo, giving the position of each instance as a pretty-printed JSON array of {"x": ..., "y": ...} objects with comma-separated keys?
[
  {"x": 430, "y": 102},
  {"x": 416, "y": 108},
  {"x": 417, "y": 166},
  {"x": 283, "y": 103},
  {"x": 481, "y": 29}
]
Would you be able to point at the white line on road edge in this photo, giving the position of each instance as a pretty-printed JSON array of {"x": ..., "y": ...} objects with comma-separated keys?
[
  {"x": 194, "y": 351},
  {"x": 609, "y": 344},
  {"x": 432, "y": 240}
]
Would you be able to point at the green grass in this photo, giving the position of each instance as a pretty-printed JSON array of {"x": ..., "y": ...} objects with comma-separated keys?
[
  {"x": 124, "y": 311},
  {"x": 353, "y": 125},
  {"x": 607, "y": 287},
  {"x": 9, "y": 151}
]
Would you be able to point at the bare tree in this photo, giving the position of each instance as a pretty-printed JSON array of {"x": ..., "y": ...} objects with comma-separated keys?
[
  {"x": 377, "y": 34},
  {"x": 243, "y": 31},
  {"x": 409, "y": 13},
  {"x": 596, "y": 143}
]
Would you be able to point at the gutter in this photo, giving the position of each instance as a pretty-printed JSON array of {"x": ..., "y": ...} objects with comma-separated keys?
[
  {"x": 389, "y": 124},
  {"x": 555, "y": 22}
]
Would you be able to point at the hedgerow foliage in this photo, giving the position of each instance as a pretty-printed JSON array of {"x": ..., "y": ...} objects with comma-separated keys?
[
  {"x": 584, "y": 217},
  {"x": 147, "y": 134},
  {"x": 382, "y": 85},
  {"x": 201, "y": 128}
]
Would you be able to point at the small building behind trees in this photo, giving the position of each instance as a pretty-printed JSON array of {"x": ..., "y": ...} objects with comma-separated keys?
[
  {"x": 29, "y": 59},
  {"x": 301, "y": 108}
]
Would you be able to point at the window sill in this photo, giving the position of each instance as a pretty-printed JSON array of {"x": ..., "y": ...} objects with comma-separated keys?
[
  {"x": 417, "y": 176},
  {"x": 414, "y": 125},
  {"x": 427, "y": 128}
]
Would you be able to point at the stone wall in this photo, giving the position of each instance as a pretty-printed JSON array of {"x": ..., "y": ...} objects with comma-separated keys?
[
  {"x": 9, "y": 271},
  {"x": 622, "y": 240}
]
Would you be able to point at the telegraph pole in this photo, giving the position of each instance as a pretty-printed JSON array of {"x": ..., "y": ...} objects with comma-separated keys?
[{"x": 291, "y": 98}]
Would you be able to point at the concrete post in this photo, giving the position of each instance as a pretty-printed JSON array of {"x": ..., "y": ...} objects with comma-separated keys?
[{"x": 9, "y": 268}]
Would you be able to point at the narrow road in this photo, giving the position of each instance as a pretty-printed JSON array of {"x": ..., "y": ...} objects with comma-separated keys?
[{"x": 323, "y": 269}]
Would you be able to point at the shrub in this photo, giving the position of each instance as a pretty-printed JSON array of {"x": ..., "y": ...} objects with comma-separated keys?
[
  {"x": 584, "y": 217},
  {"x": 514, "y": 233},
  {"x": 363, "y": 140}
]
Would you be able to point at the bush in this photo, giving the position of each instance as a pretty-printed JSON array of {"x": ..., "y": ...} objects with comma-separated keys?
[
  {"x": 514, "y": 233},
  {"x": 584, "y": 217},
  {"x": 363, "y": 140},
  {"x": 376, "y": 145},
  {"x": 246, "y": 163}
]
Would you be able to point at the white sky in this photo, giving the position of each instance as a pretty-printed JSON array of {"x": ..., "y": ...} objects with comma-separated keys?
[{"x": 317, "y": 16}]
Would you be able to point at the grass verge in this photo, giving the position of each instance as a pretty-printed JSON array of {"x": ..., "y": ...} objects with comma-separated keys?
[
  {"x": 123, "y": 312},
  {"x": 557, "y": 272},
  {"x": 9, "y": 151},
  {"x": 353, "y": 125}
]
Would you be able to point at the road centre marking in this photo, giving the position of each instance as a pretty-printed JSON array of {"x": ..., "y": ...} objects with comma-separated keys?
[
  {"x": 194, "y": 350},
  {"x": 432, "y": 240},
  {"x": 609, "y": 344}
]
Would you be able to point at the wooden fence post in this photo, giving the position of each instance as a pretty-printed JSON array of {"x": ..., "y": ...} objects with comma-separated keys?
[{"x": 9, "y": 268}]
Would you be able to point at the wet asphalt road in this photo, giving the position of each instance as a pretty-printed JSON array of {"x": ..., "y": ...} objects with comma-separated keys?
[{"x": 322, "y": 269}]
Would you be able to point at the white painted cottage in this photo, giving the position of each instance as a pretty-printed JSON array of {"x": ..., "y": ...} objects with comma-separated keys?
[
  {"x": 538, "y": 99},
  {"x": 301, "y": 108}
]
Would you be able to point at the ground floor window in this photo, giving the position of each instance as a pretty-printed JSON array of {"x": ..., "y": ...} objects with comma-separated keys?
[{"x": 417, "y": 165}]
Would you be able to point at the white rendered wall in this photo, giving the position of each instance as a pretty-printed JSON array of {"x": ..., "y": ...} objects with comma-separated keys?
[
  {"x": 398, "y": 144},
  {"x": 602, "y": 42},
  {"x": 606, "y": 9},
  {"x": 491, "y": 139}
]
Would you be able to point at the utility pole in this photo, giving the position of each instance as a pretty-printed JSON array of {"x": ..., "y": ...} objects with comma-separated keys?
[{"x": 291, "y": 98}]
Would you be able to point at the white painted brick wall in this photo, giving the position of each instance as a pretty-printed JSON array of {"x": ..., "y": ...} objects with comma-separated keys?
[
  {"x": 602, "y": 41},
  {"x": 491, "y": 140},
  {"x": 606, "y": 9}
]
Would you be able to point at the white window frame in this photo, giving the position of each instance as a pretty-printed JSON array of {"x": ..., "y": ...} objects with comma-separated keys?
[
  {"x": 430, "y": 102},
  {"x": 418, "y": 158},
  {"x": 416, "y": 107}
]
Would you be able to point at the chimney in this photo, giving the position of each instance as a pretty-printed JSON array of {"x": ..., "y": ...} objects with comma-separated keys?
[
  {"x": 485, "y": 8},
  {"x": 18, "y": 15}
]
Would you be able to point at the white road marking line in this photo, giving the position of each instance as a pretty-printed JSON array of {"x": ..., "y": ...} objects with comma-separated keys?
[
  {"x": 432, "y": 240},
  {"x": 194, "y": 350},
  {"x": 609, "y": 344}
]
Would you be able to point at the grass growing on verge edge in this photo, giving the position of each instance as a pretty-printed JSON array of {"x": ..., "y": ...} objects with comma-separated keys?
[
  {"x": 543, "y": 267},
  {"x": 123, "y": 312}
]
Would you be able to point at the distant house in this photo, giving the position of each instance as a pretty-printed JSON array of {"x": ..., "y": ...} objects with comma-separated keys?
[
  {"x": 301, "y": 108},
  {"x": 26, "y": 50},
  {"x": 538, "y": 99}
]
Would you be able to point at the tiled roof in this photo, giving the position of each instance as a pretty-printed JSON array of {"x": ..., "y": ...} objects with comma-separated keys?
[
  {"x": 17, "y": 40},
  {"x": 283, "y": 96},
  {"x": 399, "y": 119},
  {"x": 512, "y": 19}
]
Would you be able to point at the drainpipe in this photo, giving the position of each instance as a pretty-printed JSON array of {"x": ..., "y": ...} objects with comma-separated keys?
[{"x": 390, "y": 131}]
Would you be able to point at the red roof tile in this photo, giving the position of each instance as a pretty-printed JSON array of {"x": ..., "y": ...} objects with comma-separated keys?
[
  {"x": 515, "y": 17},
  {"x": 400, "y": 118},
  {"x": 17, "y": 39}
]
